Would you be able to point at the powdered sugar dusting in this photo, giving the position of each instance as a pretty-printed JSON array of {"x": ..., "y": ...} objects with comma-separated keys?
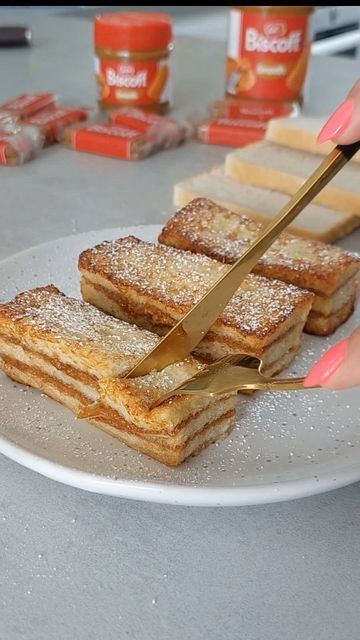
[
  {"x": 216, "y": 231},
  {"x": 151, "y": 387},
  {"x": 55, "y": 316},
  {"x": 180, "y": 279}
]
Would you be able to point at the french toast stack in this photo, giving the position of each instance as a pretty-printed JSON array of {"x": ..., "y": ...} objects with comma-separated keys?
[
  {"x": 154, "y": 286},
  {"x": 326, "y": 270},
  {"x": 76, "y": 354}
]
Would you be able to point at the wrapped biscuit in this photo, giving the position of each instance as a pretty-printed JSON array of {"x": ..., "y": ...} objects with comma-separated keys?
[
  {"x": 27, "y": 104},
  {"x": 232, "y": 132},
  {"x": 53, "y": 121},
  {"x": 19, "y": 143},
  {"x": 165, "y": 132},
  {"x": 252, "y": 109},
  {"x": 110, "y": 140}
]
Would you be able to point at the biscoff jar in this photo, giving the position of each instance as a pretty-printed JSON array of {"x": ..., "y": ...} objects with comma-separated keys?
[
  {"x": 132, "y": 62},
  {"x": 268, "y": 52}
]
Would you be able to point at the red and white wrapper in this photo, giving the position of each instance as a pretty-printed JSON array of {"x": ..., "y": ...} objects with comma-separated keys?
[
  {"x": 165, "y": 132},
  {"x": 110, "y": 140},
  {"x": 262, "y": 110},
  {"x": 53, "y": 121},
  {"x": 27, "y": 104},
  {"x": 232, "y": 132}
]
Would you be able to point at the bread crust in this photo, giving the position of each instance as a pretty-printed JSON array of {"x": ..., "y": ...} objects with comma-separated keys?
[{"x": 205, "y": 227}]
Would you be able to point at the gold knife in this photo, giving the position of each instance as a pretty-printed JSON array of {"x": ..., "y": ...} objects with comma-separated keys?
[{"x": 189, "y": 331}]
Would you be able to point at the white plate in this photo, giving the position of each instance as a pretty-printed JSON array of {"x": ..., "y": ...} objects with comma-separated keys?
[{"x": 285, "y": 445}]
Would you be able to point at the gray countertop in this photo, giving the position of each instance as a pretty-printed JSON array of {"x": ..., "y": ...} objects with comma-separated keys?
[{"x": 79, "y": 566}]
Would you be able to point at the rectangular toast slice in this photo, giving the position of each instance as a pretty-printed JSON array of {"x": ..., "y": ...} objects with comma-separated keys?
[
  {"x": 74, "y": 353},
  {"x": 328, "y": 271},
  {"x": 315, "y": 222},
  {"x": 301, "y": 133},
  {"x": 154, "y": 286},
  {"x": 273, "y": 166}
]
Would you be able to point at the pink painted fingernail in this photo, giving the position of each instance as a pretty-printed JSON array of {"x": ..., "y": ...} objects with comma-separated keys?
[
  {"x": 338, "y": 122},
  {"x": 327, "y": 365}
]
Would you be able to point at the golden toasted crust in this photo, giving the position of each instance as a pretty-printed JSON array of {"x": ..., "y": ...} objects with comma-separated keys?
[
  {"x": 133, "y": 399},
  {"x": 163, "y": 283},
  {"x": 172, "y": 457},
  {"x": 321, "y": 325},
  {"x": 74, "y": 332},
  {"x": 170, "y": 451},
  {"x": 205, "y": 227}
]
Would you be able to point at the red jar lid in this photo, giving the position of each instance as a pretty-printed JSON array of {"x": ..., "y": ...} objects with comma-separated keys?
[{"x": 133, "y": 31}]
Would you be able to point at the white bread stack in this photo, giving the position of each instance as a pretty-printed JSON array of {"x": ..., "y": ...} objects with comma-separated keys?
[
  {"x": 257, "y": 181},
  {"x": 274, "y": 166},
  {"x": 315, "y": 222}
]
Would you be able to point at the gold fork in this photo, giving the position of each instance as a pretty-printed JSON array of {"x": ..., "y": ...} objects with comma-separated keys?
[{"x": 224, "y": 376}]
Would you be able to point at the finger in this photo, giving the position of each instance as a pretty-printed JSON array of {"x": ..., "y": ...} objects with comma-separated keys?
[
  {"x": 339, "y": 368},
  {"x": 351, "y": 133},
  {"x": 347, "y": 374},
  {"x": 343, "y": 126}
]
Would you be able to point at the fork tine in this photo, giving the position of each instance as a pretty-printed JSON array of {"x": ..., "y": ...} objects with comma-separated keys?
[{"x": 222, "y": 377}]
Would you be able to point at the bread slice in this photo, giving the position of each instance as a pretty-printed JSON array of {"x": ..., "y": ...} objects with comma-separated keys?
[
  {"x": 315, "y": 222},
  {"x": 273, "y": 166},
  {"x": 154, "y": 286},
  {"x": 330, "y": 272},
  {"x": 301, "y": 133},
  {"x": 64, "y": 347}
]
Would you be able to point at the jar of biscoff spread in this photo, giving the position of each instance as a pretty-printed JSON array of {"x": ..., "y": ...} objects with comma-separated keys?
[
  {"x": 268, "y": 52},
  {"x": 132, "y": 63}
]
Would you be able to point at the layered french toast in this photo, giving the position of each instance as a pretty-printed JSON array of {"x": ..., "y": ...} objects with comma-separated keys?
[
  {"x": 76, "y": 354},
  {"x": 154, "y": 286},
  {"x": 328, "y": 271}
]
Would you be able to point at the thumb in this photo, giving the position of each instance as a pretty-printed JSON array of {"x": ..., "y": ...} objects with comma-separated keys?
[
  {"x": 343, "y": 126},
  {"x": 339, "y": 368}
]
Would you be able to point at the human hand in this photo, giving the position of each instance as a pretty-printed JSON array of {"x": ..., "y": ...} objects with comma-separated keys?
[{"x": 339, "y": 367}]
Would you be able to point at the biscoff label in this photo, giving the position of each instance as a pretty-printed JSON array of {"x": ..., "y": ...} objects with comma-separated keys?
[
  {"x": 267, "y": 55},
  {"x": 133, "y": 83},
  {"x": 141, "y": 120},
  {"x": 231, "y": 131},
  {"x": 235, "y": 123},
  {"x": 253, "y": 110},
  {"x": 105, "y": 139}
]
